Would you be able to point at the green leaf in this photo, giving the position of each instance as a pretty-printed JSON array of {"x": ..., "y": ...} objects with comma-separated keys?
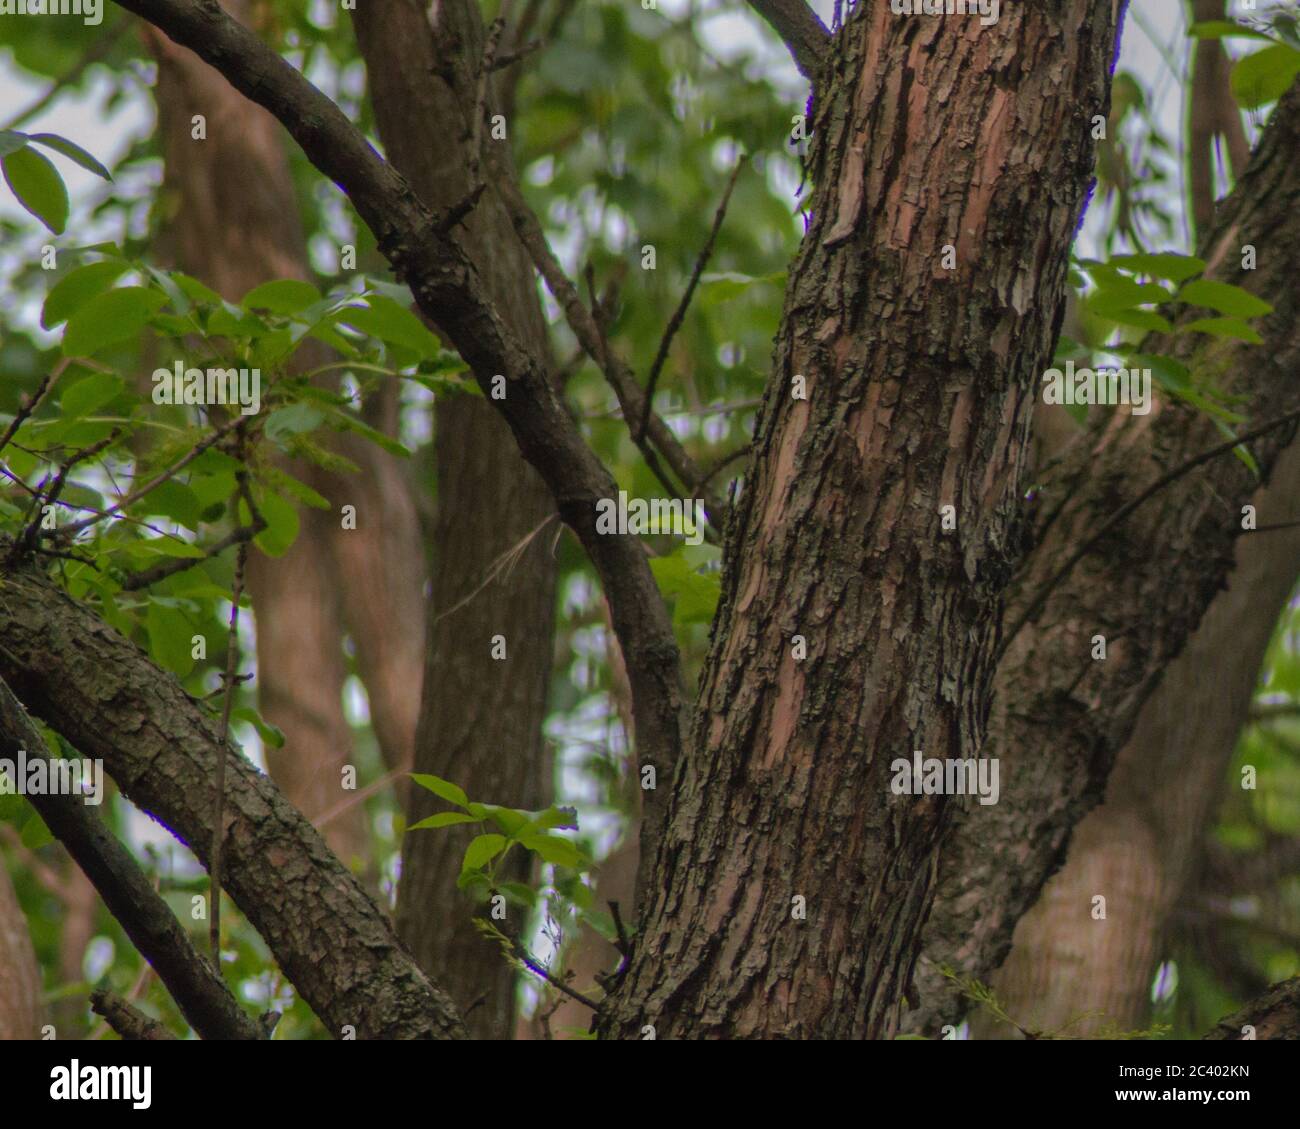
[
  {"x": 1225, "y": 29},
  {"x": 177, "y": 501},
  {"x": 170, "y": 644},
  {"x": 195, "y": 290},
  {"x": 109, "y": 318},
  {"x": 1264, "y": 76},
  {"x": 283, "y": 296},
  {"x": 696, "y": 594},
  {"x": 554, "y": 817},
  {"x": 87, "y": 395},
  {"x": 1140, "y": 319},
  {"x": 271, "y": 735},
  {"x": 1168, "y": 373},
  {"x": 1227, "y": 299},
  {"x": 1117, "y": 294},
  {"x": 284, "y": 483},
  {"x": 508, "y": 819},
  {"x": 175, "y": 294},
  {"x": 282, "y": 523},
  {"x": 1165, "y": 264},
  {"x": 37, "y": 185},
  {"x": 440, "y": 787},
  {"x": 73, "y": 152},
  {"x": 556, "y": 850},
  {"x": 11, "y": 141},
  {"x": 482, "y": 850},
  {"x": 296, "y": 419},
  {"x": 348, "y": 422},
  {"x": 443, "y": 819},
  {"x": 78, "y": 287},
  {"x": 393, "y": 324},
  {"x": 519, "y": 893},
  {"x": 1232, "y": 328}
]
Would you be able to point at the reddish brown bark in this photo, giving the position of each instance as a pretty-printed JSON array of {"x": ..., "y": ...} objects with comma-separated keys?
[
  {"x": 21, "y": 1011},
  {"x": 921, "y": 384},
  {"x": 1062, "y": 716}
]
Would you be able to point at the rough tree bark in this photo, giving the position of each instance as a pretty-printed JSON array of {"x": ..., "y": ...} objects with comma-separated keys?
[
  {"x": 21, "y": 1011},
  {"x": 480, "y": 719},
  {"x": 1141, "y": 847},
  {"x": 160, "y": 747},
  {"x": 1062, "y": 717},
  {"x": 1275, "y": 1015},
  {"x": 921, "y": 382}
]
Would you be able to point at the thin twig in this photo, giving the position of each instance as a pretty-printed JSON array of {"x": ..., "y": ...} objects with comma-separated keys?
[
  {"x": 208, "y": 441},
  {"x": 1036, "y": 604},
  {"x": 30, "y": 404},
  {"x": 27, "y": 540},
  {"x": 679, "y": 314},
  {"x": 128, "y": 1021},
  {"x": 503, "y": 564},
  {"x": 148, "y": 576},
  {"x": 585, "y": 329},
  {"x": 223, "y": 752},
  {"x": 533, "y": 965}
]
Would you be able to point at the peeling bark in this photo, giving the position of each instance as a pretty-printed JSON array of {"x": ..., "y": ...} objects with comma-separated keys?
[{"x": 930, "y": 134}]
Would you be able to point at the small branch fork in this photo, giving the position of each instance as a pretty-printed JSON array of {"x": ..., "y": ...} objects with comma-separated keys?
[{"x": 649, "y": 432}]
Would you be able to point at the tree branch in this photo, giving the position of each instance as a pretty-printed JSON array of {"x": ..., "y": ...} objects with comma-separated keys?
[
  {"x": 1274, "y": 1015},
  {"x": 200, "y": 994},
  {"x": 160, "y": 746},
  {"x": 128, "y": 1021},
  {"x": 800, "y": 29},
  {"x": 450, "y": 291}
]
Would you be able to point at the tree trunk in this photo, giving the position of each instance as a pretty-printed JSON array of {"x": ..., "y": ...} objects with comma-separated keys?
[
  {"x": 1063, "y": 716},
  {"x": 21, "y": 1011},
  {"x": 1141, "y": 847},
  {"x": 481, "y": 718},
  {"x": 235, "y": 224},
  {"x": 921, "y": 384}
]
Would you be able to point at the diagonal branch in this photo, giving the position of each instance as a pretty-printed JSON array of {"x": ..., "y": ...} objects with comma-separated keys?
[
  {"x": 801, "y": 30},
  {"x": 200, "y": 994},
  {"x": 160, "y": 747},
  {"x": 127, "y": 1020},
  {"x": 449, "y": 289},
  {"x": 642, "y": 422},
  {"x": 679, "y": 314}
]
